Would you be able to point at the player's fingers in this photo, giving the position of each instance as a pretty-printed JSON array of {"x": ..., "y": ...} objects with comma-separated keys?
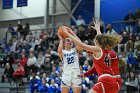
[{"x": 93, "y": 27}]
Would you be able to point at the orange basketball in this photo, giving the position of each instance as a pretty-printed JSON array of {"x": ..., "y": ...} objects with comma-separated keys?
[{"x": 61, "y": 32}]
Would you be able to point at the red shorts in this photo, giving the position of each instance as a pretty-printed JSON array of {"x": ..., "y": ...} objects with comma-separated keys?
[
  {"x": 119, "y": 81},
  {"x": 106, "y": 84}
]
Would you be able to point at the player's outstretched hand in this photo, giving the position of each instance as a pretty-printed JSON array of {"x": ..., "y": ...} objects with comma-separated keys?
[{"x": 97, "y": 26}]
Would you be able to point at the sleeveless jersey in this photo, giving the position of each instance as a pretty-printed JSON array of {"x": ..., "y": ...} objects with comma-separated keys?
[
  {"x": 70, "y": 59},
  {"x": 102, "y": 64}
]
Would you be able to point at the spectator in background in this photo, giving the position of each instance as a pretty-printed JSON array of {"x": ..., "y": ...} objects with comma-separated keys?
[
  {"x": 131, "y": 61},
  {"x": 125, "y": 38},
  {"x": 43, "y": 87},
  {"x": 20, "y": 30},
  {"x": 137, "y": 17},
  {"x": 110, "y": 30},
  {"x": 23, "y": 52},
  {"x": 82, "y": 34},
  {"x": 129, "y": 44},
  {"x": 138, "y": 27},
  {"x": 137, "y": 43},
  {"x": 132, "y": 83},
  {"x": 122, "y": 66},
  {"x": 85, "y": 66},
  {"x": 29, "y": 37},
  {"x": 11, "y": 28},
  {"x": 9, "y": 58},
  {"x": 58, "y": 79},
  {"x": 14, "y": 44},
  {"x": 8, "y": 73},
  {"x": 129, "y": 17},
  {"x": 32, "y": 60},
  {"x": 23, "y": 60},
  {"x": 37, "y": 42},
  {"x": 44, "y": 43},
  {"x": 47, "y": 62},
  {"x": 53, "y": 73},
  {"x": 42, "y": 34},
  {"x": 92, "y": 21},
  {"x": 32, "y": 43},
  {"x": 80, "y": 21},
  {"x": 2, "y": 56},
  {"x": 137, "y": 14},
  {"x": 53, "y": 87},
  {"x": 26, "y": 30},
  {"x": 19, "y": 73},
  {"x": 41, "y": 60},
  {"x": 34, "y": 83},
  {"x": 102, "y": 25},
  {"x": 74, "y": 29},
  {"x": 91, "y": 33}
]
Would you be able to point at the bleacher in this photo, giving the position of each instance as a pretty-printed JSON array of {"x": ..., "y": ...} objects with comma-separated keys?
[{"x": 6, "y": 87}]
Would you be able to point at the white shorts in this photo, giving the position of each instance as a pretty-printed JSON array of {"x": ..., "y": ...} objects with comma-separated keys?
[{"x": 70, "y": 78}]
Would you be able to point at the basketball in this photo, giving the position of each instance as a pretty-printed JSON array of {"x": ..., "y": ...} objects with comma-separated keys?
[{"x": 61, "y": 32}]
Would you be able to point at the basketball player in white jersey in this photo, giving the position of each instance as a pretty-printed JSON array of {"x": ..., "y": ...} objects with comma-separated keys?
[{"x": 71, "y": 70}]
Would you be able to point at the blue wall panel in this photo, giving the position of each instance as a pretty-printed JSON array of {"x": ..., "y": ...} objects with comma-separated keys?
[
  {"x": 86, "y": 9},
  {"x": 116, "y": 10}
]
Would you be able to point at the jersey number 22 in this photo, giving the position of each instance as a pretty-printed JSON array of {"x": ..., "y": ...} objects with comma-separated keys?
[{"x": 70, "y": 60}]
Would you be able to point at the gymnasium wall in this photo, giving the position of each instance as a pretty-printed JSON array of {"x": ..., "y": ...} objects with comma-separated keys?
[
  {"x": 116, "y": 10},
  {"x": 34, "y": 15},
  {"x": 35, "y": 8}
]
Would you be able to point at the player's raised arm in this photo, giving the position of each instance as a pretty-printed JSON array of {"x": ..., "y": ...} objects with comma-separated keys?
[
  {"x": 60, "y": 47},
  {"x": 79, "y": 43},
  {"x": 77, "y": 47}
]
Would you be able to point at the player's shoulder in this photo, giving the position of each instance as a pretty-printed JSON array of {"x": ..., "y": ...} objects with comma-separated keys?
[{"x": 113, "y": 54}]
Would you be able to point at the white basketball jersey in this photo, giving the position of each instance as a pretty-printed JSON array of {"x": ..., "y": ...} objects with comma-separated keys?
[{"x": 70, "y": 59}]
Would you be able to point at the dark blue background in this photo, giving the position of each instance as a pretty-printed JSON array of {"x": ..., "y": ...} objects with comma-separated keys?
[{"x": 116, "y": 10}]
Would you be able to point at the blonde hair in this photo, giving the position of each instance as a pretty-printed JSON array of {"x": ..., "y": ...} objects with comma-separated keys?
[{"x": 108, "y": 41}]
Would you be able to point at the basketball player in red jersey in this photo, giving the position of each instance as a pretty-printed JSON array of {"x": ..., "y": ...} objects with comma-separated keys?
[
  {"x": 113, "y": 57},
  {"x": 103, "y": 43},
  {"x": 114, "y": 62}
]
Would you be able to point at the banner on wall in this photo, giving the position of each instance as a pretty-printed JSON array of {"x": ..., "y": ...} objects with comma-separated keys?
[
  {"x": 7, "y": 4},
  {"x": 21, "y": 3}
]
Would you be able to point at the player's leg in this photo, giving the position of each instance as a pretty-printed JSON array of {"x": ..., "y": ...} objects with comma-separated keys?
[
  {"x": 66, "y": 82},
  {"x": 76, "y": 89},
  {"x": 76, "y": 81},
  {"x": 64, "y": 89},
  {"x": 98, "y": 88}
]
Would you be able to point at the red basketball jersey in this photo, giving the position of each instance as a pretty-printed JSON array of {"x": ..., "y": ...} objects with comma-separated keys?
[{"x": 102, "y": 65}]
